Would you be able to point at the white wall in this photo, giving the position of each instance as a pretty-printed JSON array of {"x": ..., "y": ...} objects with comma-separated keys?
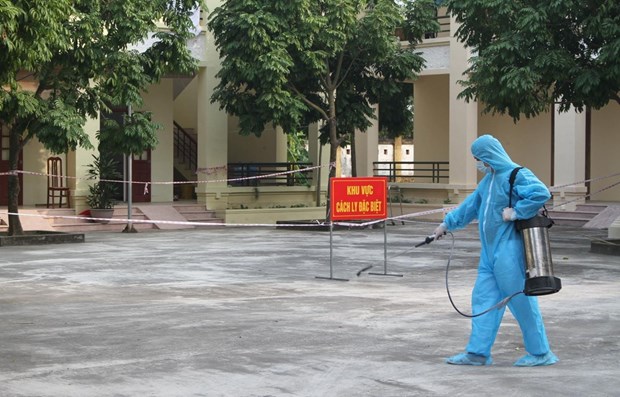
[{"x": 386, "y": 153}]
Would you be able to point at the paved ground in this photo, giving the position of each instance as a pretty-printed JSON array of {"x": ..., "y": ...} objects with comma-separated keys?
[{"x": 240, "y": 312}]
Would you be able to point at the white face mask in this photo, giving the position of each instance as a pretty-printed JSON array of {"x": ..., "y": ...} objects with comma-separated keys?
[{"x": 481, "y": 167}]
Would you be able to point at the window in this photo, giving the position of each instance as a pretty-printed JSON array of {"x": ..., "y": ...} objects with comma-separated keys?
[
  {"x": 4, "y": 143},
  {"x": 143, "y": 156}
]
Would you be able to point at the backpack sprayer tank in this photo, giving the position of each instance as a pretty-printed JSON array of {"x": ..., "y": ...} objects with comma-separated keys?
[{"x": 538, "y": 264}]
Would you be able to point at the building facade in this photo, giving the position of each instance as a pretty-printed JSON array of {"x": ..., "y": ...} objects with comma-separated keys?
[{"x": 564, "y": 149}]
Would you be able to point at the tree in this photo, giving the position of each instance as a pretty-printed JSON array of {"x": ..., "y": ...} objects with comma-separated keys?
[
  {"x": 529, "y": 54},
  {"x": 78, "y": 55},
  {"x": 293, "y": 62},
  {"x": 393, "y": 122}
]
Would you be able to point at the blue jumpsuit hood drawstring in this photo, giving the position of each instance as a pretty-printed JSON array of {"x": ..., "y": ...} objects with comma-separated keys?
[{"x": 501, "y": 269}]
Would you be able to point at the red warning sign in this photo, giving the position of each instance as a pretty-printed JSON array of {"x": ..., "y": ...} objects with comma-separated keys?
[{"x": 358, "y": 198}]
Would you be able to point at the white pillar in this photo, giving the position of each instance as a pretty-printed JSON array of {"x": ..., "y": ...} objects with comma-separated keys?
[
  {"x": 212, "y": 135},
  {"x": 77, "y": 162},
  {"x": 570, "y": 159},
  {"x": 463, "y": 123},
  {"x": 159, "y": 100},
  {"x": 367, "y": 147},
  {"x": 281, "y": 145},
  {"x": 318, "y": 156}
]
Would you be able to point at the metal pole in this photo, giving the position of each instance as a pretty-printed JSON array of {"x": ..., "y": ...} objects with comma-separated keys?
[
  {"x": 331, "y": 249},
  {"x": 385, "y": 245},
  {"x": 385, "y": 273},
  {"x": 129, "y": 228},
  {"x": 331, "y": 252},
  {"x": 318, "y": 176}
]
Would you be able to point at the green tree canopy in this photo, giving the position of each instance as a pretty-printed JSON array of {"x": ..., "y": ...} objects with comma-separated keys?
[
  {"x": 393, "y": 121},
  {"x": 528, "y": 54},
  {"x": 78, "y": 56},
  {"x": 293, "y": 62}
]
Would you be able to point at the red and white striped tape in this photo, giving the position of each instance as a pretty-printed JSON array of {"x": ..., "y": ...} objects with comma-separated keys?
[{"x": 16, "y": 172}]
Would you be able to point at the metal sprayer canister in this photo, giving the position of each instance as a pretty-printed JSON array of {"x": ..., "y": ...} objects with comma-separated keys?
[{"x": 539, "y": 266}]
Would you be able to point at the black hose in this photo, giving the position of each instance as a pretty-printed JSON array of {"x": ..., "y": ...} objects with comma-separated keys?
[{"x": 498, "y": 305}]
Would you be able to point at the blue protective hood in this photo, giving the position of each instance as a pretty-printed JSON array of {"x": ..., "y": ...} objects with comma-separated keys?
[{"x": 488, "y": 149}]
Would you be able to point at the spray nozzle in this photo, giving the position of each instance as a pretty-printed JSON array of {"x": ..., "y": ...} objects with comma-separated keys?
[{"x": 427, "y": 240}]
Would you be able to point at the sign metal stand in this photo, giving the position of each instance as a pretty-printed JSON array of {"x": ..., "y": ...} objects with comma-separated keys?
[
  {"x": 385, "y": 272},
  {"x": 331, "y": 256},
  {"x": 355, "y": 199}
]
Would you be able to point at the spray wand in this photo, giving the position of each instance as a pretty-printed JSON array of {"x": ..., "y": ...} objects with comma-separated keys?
[
  {"x": 427, "y": 240},
  {"x": 498, "y": 305}
]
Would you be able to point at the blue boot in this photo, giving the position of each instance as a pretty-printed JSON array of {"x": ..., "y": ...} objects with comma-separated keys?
[
  {"x": 530, "y": 360},
  {"x": 469, "y": 359}
]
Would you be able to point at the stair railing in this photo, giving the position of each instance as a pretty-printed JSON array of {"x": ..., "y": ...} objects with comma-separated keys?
[
  {"x": 185, "y": 147},
  {"x": 408, "y": 171}
]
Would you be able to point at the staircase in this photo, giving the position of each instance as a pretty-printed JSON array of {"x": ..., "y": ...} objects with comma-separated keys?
[
  {"x": 160, "y": 216},
  {"x": 185, "y": 161},
  {"x": 70, "y": 224},
  {"x": 197, "y": 213},
  {"x": 185, "y": 151},
  {"x": 582, "y": 215}
]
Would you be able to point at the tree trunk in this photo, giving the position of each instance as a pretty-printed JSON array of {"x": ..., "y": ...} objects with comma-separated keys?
[
  {"x": 398, "y": 156},
  {"x": 15, "y": 225},
  {"x": 334, "y": 143},
  {"x": 353, "y": 156}
]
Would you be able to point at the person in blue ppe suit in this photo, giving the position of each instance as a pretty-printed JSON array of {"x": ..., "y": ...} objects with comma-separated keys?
[{"x": 501, "y": 270}]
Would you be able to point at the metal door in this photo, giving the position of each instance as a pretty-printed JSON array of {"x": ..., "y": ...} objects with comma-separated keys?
[{"x": 141, "y": 172}]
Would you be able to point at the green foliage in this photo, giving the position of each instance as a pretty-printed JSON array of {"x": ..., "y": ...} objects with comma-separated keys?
[
  {"x": 420, "y": 19},
  {"x": 31, "y": 31},
  {"x": 103, "y": 192},
  {"x": 78, "y": 56},
  {"x": 393, "y": 122},
  {"x": 530, "y": 54},
  {"x": 293, "y": 62},
  {"x": 398, "y": 198},
  {"x": 62, "y": 61},
  {"x": 132, "y": 136},
  {"x": 297, "y": 151}
]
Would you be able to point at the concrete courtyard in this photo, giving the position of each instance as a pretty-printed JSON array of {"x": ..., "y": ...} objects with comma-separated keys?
[{"x": 240, "y": 312}]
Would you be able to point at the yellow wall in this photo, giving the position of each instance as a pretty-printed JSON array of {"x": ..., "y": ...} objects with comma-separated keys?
[
  {"x": 605, "y": 146},
  {"x": 241, "y": 148},
  {"x": 528, "y": 142},
  {"x": 35, "y": 160},
  {"x": 431, "y": 122},
  {"x": 185, "y": 106},
  {"x": 78, "y": 161},
  {"x": 158, "y": 100},
  {"x": 250, "y": 149}
]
